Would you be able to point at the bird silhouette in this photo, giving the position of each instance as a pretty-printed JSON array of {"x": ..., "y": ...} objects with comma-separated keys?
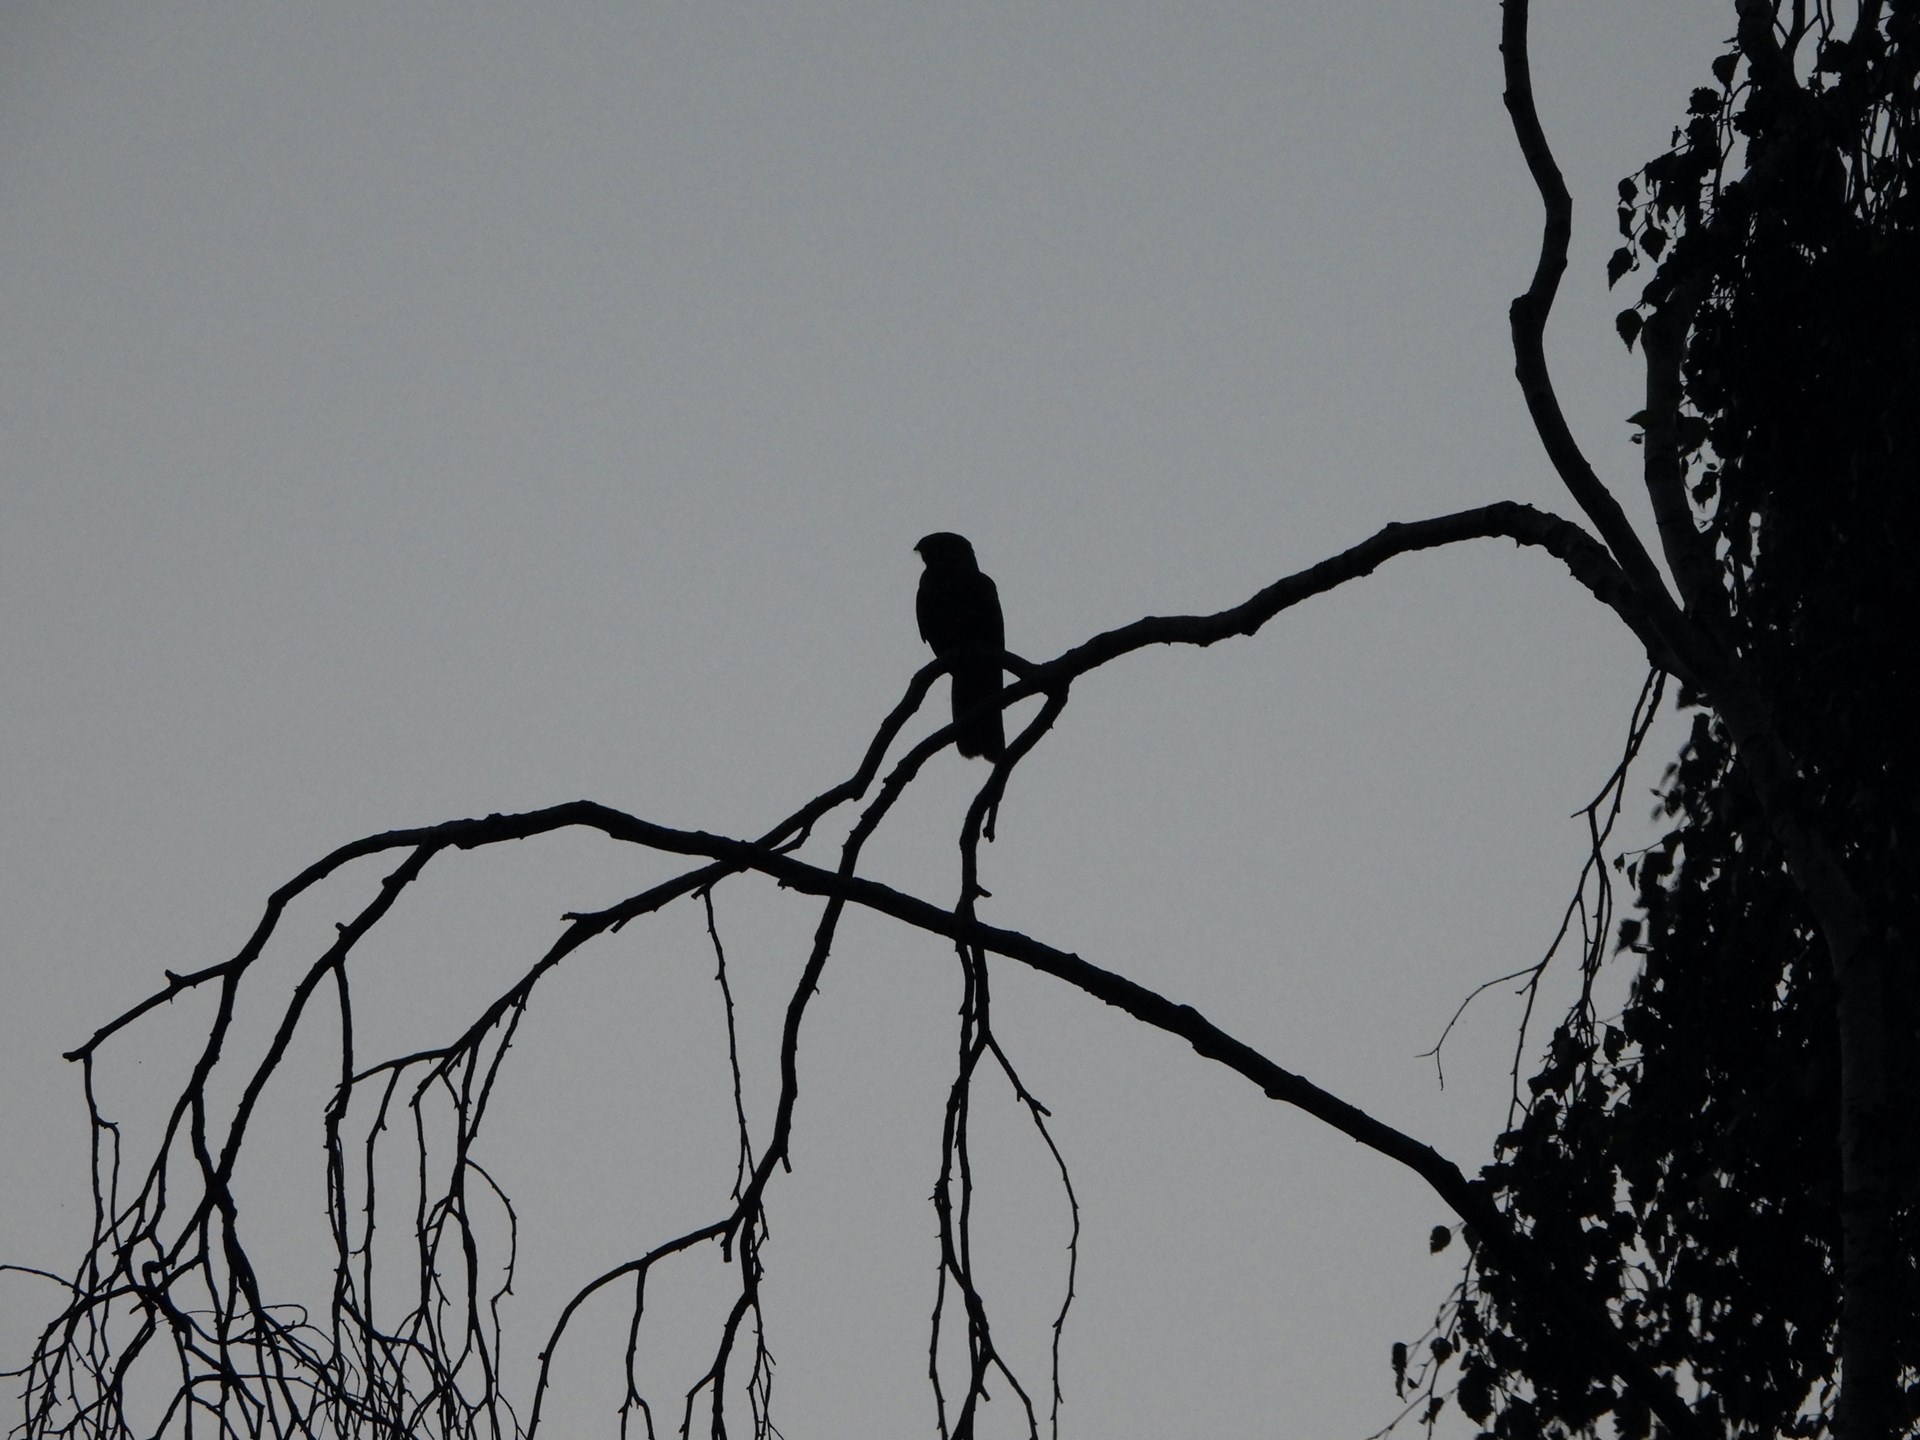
[{"x": 959, "y": 612}]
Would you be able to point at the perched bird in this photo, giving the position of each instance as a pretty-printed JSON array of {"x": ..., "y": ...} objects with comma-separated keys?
[{"x": 959, "y": 610}]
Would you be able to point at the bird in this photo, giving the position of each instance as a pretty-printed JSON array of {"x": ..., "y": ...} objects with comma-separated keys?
[{"x": 959, "y": 613}]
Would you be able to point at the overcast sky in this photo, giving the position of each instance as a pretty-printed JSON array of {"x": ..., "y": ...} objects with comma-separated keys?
[{"x": 417, "y": 411}]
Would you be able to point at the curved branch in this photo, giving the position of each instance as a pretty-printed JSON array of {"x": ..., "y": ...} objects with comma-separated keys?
[
  {"x": 1586, "y": 560},
  {"x": 1528, "y": 318},
  {"x": 771, "y": 855},
  {"x": 1559, "y": 1289}
]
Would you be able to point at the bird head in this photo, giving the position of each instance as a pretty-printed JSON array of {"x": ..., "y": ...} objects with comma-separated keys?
[{"x": 943, "y": 547}]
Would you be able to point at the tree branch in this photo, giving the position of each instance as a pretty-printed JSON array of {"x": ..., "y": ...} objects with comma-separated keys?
[
  {"x": 1528, "y": 319},
  {"x": 771, "y": 855},
  {"x": 1586, "y": 560},
  {"x": 1559, "y": 1290}
]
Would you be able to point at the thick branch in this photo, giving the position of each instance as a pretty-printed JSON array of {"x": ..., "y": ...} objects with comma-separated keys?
[
  {"x": 1771, "y": 65},
  {"x": 1585, "y": 559},
  {"x": 1528, "y": 318},
  {"x": 1860, "y": 950}
]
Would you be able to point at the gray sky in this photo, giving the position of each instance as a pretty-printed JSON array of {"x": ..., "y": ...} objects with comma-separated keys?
[{"x": 421, "y": 411}]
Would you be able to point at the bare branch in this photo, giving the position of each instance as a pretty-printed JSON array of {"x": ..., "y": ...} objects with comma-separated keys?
[
  {"x": 1586, "y": 560},
  {"x": 412, "y": 1372},
  {"x": 1556, "y": 1288},
  {"x": 639, "y": 1269},
  {"x": 1528, "y": 319}
]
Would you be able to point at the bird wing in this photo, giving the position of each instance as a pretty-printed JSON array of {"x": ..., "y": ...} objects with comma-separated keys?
[{"x": 959, "y": 610}]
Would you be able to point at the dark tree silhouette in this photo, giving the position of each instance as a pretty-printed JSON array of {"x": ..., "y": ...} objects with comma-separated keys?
[
  {"x": 1701, "y": 1219},
  {"x": 1730, "y": 1162}
]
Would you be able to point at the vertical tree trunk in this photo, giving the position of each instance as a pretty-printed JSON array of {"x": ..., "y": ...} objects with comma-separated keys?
[{"x": 1868, "y": 1378}]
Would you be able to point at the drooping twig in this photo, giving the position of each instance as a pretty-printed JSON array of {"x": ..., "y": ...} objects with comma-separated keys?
[{"x": 402, "y": 1375}]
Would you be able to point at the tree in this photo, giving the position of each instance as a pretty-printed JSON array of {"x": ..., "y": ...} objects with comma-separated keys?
[
  {"x": 1729, "y": 1160},
  {"x": 171, "y": 1280}
]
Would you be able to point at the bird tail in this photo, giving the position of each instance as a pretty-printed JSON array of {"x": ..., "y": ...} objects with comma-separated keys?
[{"x": 977, "y": 726}]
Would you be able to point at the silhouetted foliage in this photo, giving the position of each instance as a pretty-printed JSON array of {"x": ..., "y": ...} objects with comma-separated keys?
[{"x": 1686, "y": 1154}]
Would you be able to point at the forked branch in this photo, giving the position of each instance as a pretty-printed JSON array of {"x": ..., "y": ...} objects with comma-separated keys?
[{"x": 382, "y": 1373}]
